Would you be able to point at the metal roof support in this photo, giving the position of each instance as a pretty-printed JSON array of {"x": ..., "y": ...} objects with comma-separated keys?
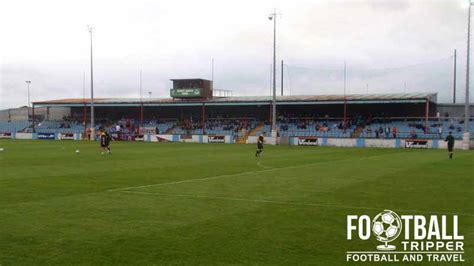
[
  {"x": 427, "y": 112},
  {"x": 203, "y": 118},
  {"x": 33, "y": 119}
]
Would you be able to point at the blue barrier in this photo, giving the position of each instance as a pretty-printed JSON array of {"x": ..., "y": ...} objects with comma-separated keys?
[
  {"x": 325, "y": 142},
  {"x": 291, "y": 141},
  {"x": 360, "y": 143},
  {"x": 435, "y": 144}
]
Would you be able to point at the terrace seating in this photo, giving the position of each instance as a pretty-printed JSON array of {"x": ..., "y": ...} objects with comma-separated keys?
[
  {"x": 59, "y": 127},
  {"x": 13, "y": 126},
  {"x": 130, "y": 125},
  {"x": 162, "y": 127},
  {"x": 408, "y": 129},
  {"x": 310, "y": 128},
  {"x": 286, "y": 127},
  {"x": 215, "y": 127}
]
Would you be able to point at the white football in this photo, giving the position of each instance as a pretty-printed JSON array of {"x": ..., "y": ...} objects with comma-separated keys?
[
  {"x": 78, "y": 151},
  {"x": 388, "y": 218},
  {"x": 377, "y": 228},
  {"x": 1, "y": 149}
]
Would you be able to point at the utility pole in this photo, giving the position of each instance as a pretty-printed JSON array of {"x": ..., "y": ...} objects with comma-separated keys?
[
  {"x": 345, "y": 100},
  {"x": 454, "y": 78},
  {"x": 282, "y": 77},
  {"x": 273, "y": 17},
  {"x": 92, "y": 89},
  {"x": 466, "y": 135},
  {"x": 84, "y": 113},
  {"x": 140, "y": 86},
  {"x": 141, "y": 101},
  {"x": 271, "y": 77},
  {"x": 212, "y": 70},
  {"x": 28, "y": 82}
]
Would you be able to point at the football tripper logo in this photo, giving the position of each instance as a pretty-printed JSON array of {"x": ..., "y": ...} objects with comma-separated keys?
[{"x": 386, "y": 226}]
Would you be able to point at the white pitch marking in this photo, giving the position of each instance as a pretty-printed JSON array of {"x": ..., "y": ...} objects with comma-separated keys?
[
  {"x": 291, "y": 203},
  {"x": 238, "y": 174},
  {"x": 263, "y": 166},
  {"x": 209, "y": 178},
  {"x": 185, "y": 181}
]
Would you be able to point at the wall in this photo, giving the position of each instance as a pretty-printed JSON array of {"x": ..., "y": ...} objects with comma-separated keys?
[
  {"x": 457, "y": 145},
  {"x": 14, "y": 114},
  {"x": 336, "y": 142},
  {"x": 21, "y": 114},
  {"x": 454, "y": 110},
  {"x": 57, "y": 113},
  {"x": 381, "y": 143},
  {"x": 193, "y": 139},
  {"x": 155, "y": 138},
  {"x": 378, "y": 143},
  {"x": 24, "y": 135},
  {"x": 341, "y": 142},
  {"x": 268, "y": 140}
]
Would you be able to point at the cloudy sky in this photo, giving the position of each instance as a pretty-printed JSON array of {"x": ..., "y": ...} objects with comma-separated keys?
[{"x": 389, "y": 46}]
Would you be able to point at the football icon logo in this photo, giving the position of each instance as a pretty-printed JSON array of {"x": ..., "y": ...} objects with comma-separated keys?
[{"x": 386, "y": 226}]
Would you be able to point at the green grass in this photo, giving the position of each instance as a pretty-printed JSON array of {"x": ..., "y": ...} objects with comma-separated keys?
[{"x": 288, "y": 207}]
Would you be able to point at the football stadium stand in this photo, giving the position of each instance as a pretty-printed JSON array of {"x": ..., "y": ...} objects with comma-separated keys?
[
  {"x": 304, "y": 128},
  {"x": 374, "y": 116}
]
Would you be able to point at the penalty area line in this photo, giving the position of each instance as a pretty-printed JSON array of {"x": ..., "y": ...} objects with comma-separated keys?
[{"x": 284, "y": 202}]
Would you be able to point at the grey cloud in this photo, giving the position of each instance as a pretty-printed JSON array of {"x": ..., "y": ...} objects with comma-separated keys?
[{"x": 314, "y": 39}]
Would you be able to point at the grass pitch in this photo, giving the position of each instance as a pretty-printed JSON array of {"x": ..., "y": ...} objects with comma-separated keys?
[{"x": 169, "y": 203}]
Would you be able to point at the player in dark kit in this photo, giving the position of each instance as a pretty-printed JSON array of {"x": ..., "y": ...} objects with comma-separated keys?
[
  {"x": 450, "y": 140},
  {"x": 105, "y": 141},
  {"x": 259, "y": 146}
]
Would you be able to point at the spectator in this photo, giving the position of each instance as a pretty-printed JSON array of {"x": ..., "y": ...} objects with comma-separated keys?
[
  {"x": 440, "y": 132},
  {"x": 387, "y": 132},
  {"x": 394, "y": 132}
]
